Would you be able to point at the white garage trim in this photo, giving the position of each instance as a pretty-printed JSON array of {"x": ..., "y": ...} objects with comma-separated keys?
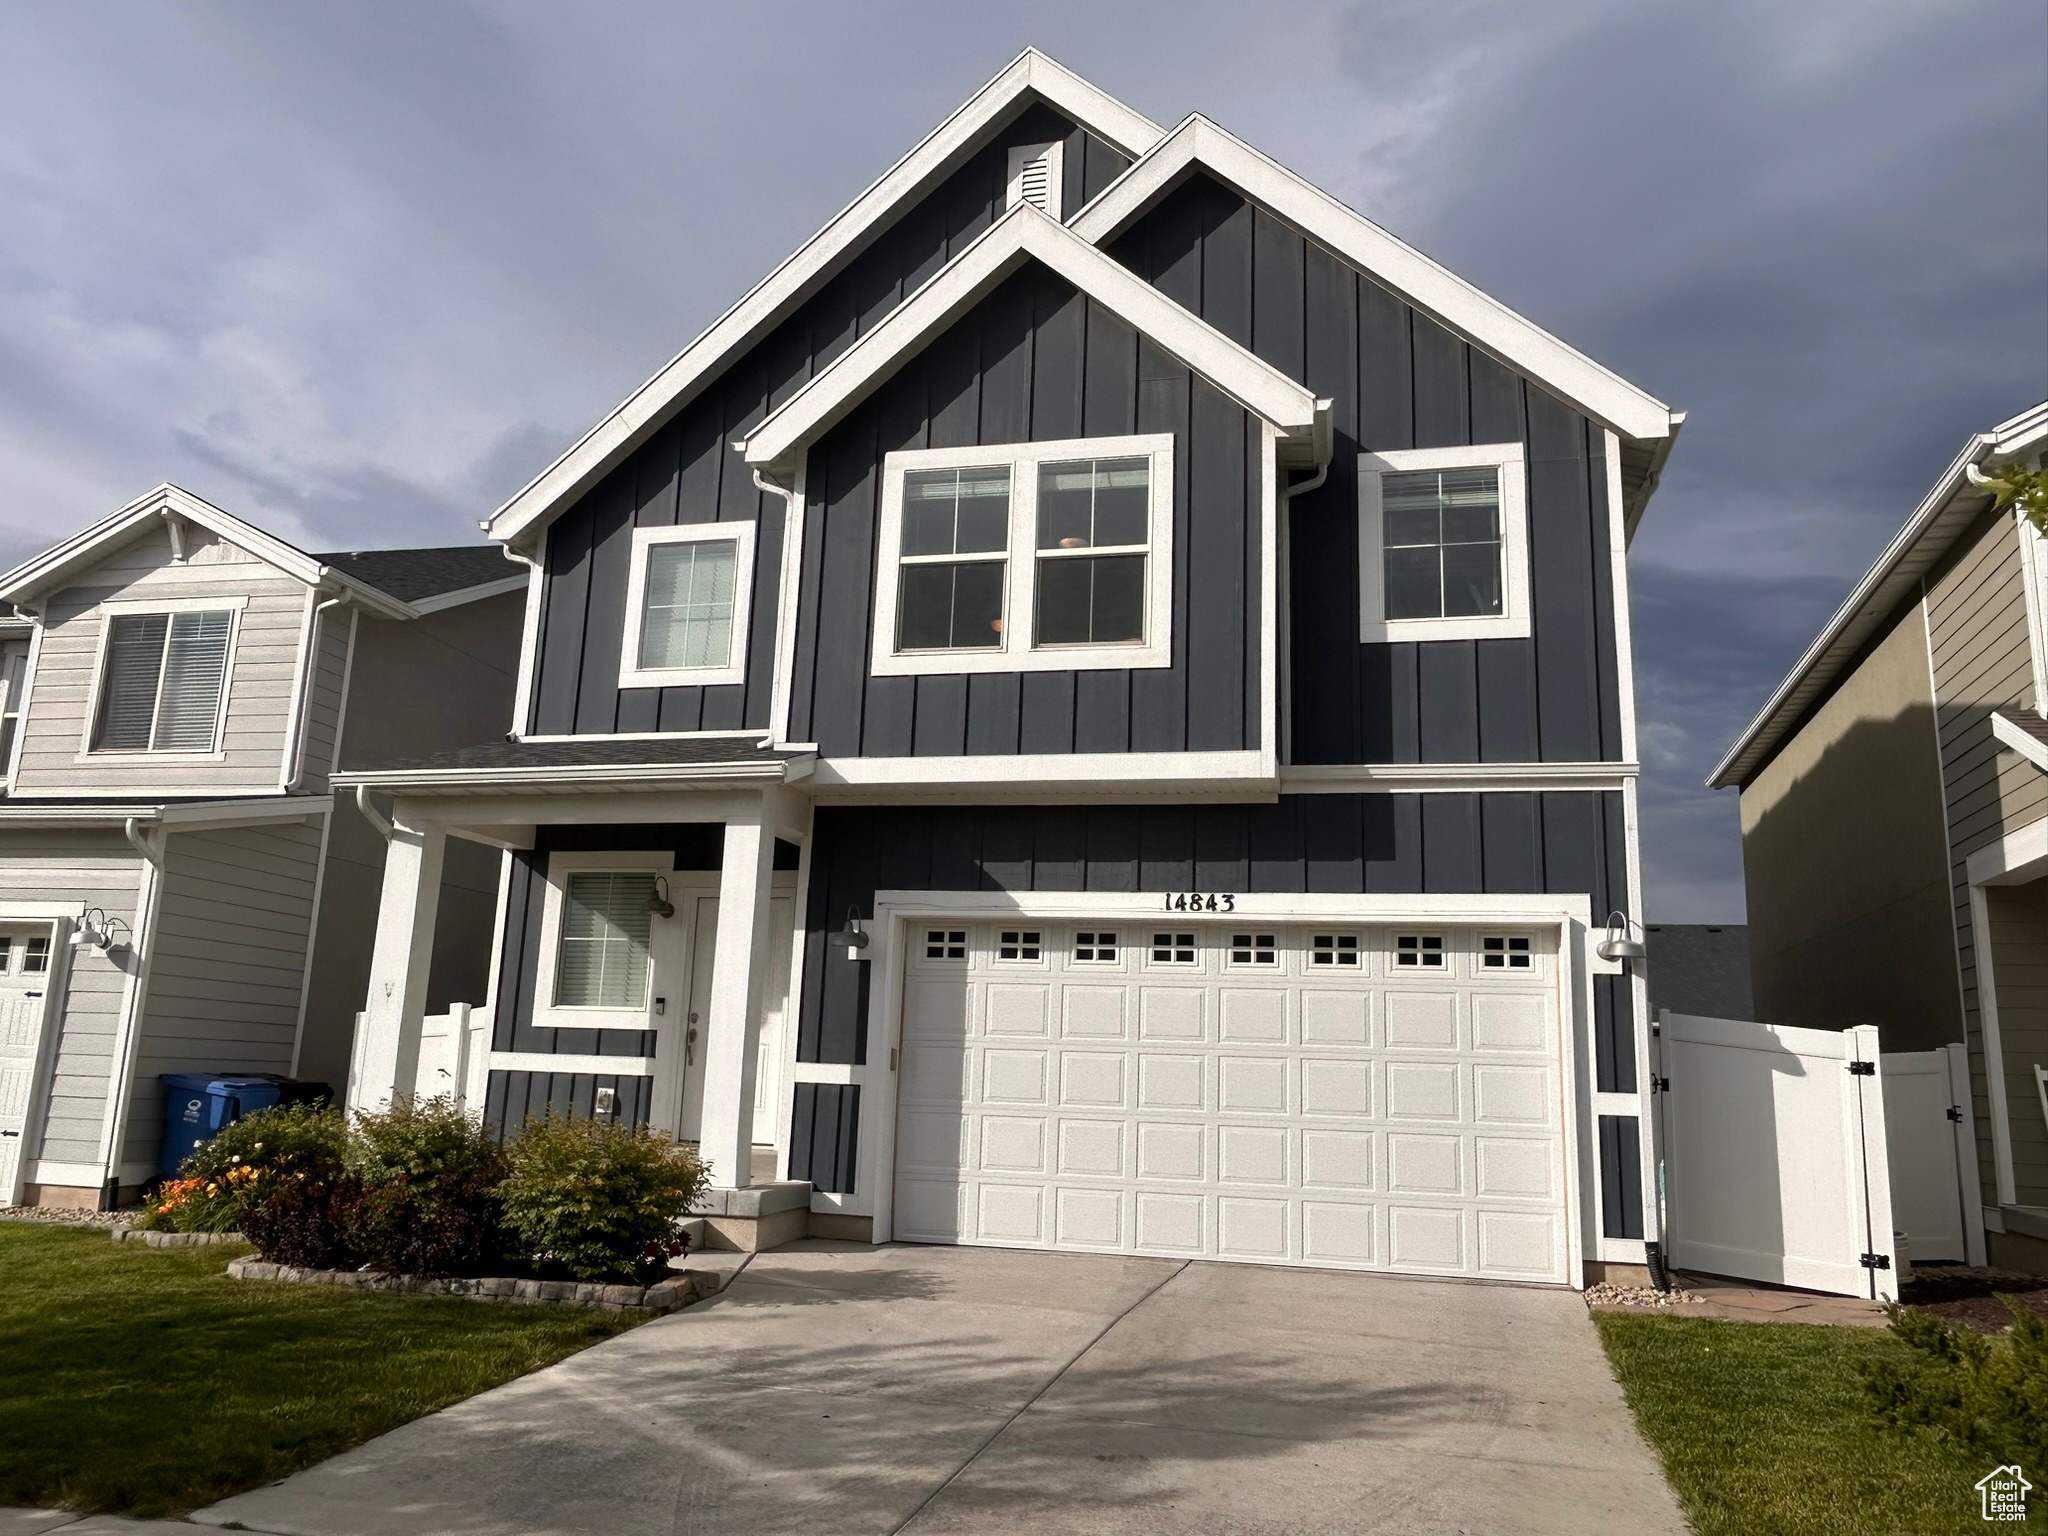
[{"x": 895, "y": 910}]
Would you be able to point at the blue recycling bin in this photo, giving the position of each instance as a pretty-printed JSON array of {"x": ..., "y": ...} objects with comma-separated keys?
[{"x": 198, "y": 1106}]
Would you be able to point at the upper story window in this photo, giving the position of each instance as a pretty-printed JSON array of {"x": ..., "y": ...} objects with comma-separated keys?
[
  {"x": 687, "y": 601},
  {"x": 162, "y": 677},
  {"x": 1026, "y": 557},
  {"x": 1443, "y": 543},
  {"x": 13, "y": 683}
]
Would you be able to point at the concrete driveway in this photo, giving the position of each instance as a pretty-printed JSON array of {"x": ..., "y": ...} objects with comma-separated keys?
[{"x": 835, "y": 1388}]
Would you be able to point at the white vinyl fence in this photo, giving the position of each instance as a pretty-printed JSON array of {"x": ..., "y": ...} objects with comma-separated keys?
[
  {"x": 1793, "y": 1155},
  {"x": 454, "y": 1050}
]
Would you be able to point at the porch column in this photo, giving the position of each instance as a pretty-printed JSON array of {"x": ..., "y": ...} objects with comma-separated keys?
[
  {"x": 388, "y": 1055},
  {"x": 745, "y": 878}
]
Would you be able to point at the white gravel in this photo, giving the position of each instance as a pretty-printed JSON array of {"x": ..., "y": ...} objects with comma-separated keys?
[
  {"x": 66, "y": 1215},
  {"x": 1605, "y": 1295}
]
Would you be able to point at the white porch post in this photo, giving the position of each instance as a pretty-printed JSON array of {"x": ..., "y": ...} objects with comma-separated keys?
[
  {"x": 389, "y": 1053},
  {"x": 745, "y": 877}
]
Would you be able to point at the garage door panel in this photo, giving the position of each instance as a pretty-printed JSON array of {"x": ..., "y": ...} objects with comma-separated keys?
[{"x": 1283, "y": 1097}]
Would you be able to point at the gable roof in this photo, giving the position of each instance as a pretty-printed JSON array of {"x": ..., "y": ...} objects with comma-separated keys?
[
  {"x": 56, "y": 565},
  {"x": 430, "y": 579},
  {"x": 1941, "y": 518},
  {"x": 1021, "y": 235},
  {"x": 1481, "y": 319},
  {"x": 1030, "y": 74}
]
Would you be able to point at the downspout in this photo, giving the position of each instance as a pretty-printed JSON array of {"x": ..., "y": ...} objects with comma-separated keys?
[
  {"x": 371, "y": 814},
  {"x": 298, "y": 749}
]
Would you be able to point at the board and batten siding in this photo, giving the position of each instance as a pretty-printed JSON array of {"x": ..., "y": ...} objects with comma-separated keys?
[
  {"x": 1036, "y": 361},
  {"x": 73, "y": 870},
  {"x": 687, "y": 472},
  {"x": 1977, "y": 633},
  {"x": 226, "y": 961},
  {"x": 1397, "y": 379},
  {"x": 262, "y": 669}
]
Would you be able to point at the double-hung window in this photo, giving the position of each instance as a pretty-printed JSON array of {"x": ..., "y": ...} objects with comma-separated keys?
[
  {"x": 599, "y": 935},
  {"x": 1026, "y": 557},
  {"x": 163, "y": 676},
  {"x": 688, "y": 596},
  {"x": 1443, "y": 544}
]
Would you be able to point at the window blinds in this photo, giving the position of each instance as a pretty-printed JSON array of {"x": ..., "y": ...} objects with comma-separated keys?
[
  {"x": 602, "y": 958},
  {"x": 161, "y": 691}
]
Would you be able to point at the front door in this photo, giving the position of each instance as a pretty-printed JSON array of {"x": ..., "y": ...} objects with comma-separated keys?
[
  {"x": 25, "y": 962},
  {"x": 699, "y": 910}
]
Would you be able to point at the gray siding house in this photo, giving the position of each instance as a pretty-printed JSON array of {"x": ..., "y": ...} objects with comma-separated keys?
[
  {"x": 179, "y": 688},
  {"x": 1091, "y": 710}
]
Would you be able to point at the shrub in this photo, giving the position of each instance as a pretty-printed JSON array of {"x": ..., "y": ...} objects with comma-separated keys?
[
  {"x": 429, "y": 1174},
  {"x": 1988, "y": 1396},
  {"x": 598, "y": 1201},
  {"x": 225, "y": 1178},
  {"x": 307, "y": 1220}
]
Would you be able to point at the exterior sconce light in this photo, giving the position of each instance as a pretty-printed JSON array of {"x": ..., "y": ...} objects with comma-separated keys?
[
  {"x": 658, "y": 904},
  {"x": 1617, "y": 945},
  {"x": 95, "y": 930},
  {"x": 853, "y": 937}
]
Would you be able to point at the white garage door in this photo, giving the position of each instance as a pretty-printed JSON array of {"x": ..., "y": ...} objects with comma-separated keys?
[{"x": 1362, "y": 1097}]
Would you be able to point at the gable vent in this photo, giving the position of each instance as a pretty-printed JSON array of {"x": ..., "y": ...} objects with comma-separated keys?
[{"x": 1035, "y": 176}]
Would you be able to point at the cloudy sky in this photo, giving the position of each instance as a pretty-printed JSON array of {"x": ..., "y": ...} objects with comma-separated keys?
[{"x": 358, "y": 270}]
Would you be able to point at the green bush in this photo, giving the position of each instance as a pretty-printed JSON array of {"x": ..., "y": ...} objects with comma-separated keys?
[
  {"x": 596, "y": 1201},
  {"x": 226, "y": 1177},
  {"x": 1987, "y": 1395},
  {"x": 429, "y": 1174}
]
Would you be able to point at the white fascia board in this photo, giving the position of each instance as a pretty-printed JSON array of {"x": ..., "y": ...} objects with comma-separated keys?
[
  {"x": 1048, "y": 776},
  {"x": 17, "y": 812},
  {"x": 626, "y": 777},
  {"x": 516, "y": 582},
  {"x": 2020, "y": 740},
  {"x": 812, "y": 265},
  {"x": 1446, "y": 778},
  {"x": 1870, "y": 601},
  {"x": 244, "y": 813},
  {"x": 1026, "y": 234},
  {"x": 1481, "y": 319}
]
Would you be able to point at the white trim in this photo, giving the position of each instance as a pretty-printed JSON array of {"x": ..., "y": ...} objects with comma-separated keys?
[
  {"x": 1019, "y": 236},
  {"x": 1512, "y": 622},
  {"x": 627, "y": 776},
  {"x": 763, "y": 737},
  {"x": 1271, "y": 748},
  {"x": 1481, "y": 319},
  {"x": 2034, "y": 577},
  {"x": 1618, "y": 585},
  {"x": 2015, "y": 859},
  {"x": 1021, "y": 158},
  {"x": 741, "y": 534},
  {"x": 1028, "y": 771},
  {"x": 1442, "y": 778},
  {"x": 441, "y": 602},
  {"x": 841, "y": 1073},
  {"x": 312, "y": 942},
  {"x": 546, "y": 1013},
  {"x": 586, "y": 1066},
  {"x": 529, "y": 642},
  {"x": 1017, "y": 650},
  {"x": 788, "y": 589},
  {"x": 128, "y": 1027},
  {"x": 237, "y": 601},
  {"x": 28, "y": 695},
  {"x": 65, "y": 1175},
  {"x": 810, "y": 266},
  {"x": 2024, "y": 742},
  {"x": 1994, "y": 1050},
  {"x": 302, "y": 664},
  {"x": 234, "y": 607},
  {"x": 43, "y": 1062},
  {"x": 1639, "y": 1001}
]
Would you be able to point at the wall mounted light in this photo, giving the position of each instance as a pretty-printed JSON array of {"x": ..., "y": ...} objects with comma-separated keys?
[
  {"x": 852, "y": 936},
  {"x": 658, "y": 904},
  {"x": 95, "y": 929},
  {"x": 1618, "y": 945}
]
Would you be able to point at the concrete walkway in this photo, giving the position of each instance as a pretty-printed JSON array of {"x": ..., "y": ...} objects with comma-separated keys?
[{"x": 835, "y": 1388}]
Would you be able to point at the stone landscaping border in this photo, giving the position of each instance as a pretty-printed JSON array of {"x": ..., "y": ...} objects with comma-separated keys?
[
  {"x": 647, "y": 1300},
  {"x": 175, "y": 1239}
]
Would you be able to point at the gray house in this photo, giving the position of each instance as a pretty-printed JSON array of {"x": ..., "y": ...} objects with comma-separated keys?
[
  {"x": 1125, "y": 666},
  {"x": 178, "y": 889}
]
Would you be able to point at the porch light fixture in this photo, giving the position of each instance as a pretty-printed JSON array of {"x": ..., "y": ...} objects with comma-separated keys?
[
  {"x": 95, "y": 930},
  {"x": 658, "y": 904},
  {"x": 1617, "y": 945},
  {"x": 853, "y": 937}
]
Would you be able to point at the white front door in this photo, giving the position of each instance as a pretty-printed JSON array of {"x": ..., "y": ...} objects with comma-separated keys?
[
  {"x": 700, "y": 911},
  {"x": 25, "y": 962},
  {"x": 1350, "y": 1096}
]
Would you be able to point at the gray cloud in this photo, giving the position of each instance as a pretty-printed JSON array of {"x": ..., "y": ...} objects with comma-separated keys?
[{"x": 360, "y": 271}]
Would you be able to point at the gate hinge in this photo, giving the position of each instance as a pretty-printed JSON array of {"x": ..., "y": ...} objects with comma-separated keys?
[
  {"x": 1660, "y": 1085},
  {"x": 1863, "y": 1069},
  {"x": 1877, "y": 1261},
  {"x": 1955, "y": 1113}
]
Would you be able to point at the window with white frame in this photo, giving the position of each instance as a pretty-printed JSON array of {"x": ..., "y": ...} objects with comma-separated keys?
[
  {"x": 600, "y": 934},
  {"x": 1026, "y": 557},
  {"x": 13, "y": 685},
  {"x": 1443, "y": 543},
  {"x": 162, "y": 683},
  {"x": 687, "y": 601}
]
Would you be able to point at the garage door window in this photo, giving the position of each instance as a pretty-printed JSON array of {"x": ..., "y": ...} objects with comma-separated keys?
[
  {"x": 1173, "y": 949},
  {"x": 1505, "y": 954},
  {"x": 1334, "y": 949},
  {"x": 1021, "y": 944},
  {"x": 1095, "y": 947},
  {"x": 1253, "y": 949},
  {"x": 1425, "y": 950},
  {"x": 945, "y": 944}
]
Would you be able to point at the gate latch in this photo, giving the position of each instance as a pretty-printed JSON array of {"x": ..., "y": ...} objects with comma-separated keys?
[
  {"x": 1955, "y": 1113},
  {"x": 1660, "y": 1085},
  {"x": 1877, "y": 1261},
  {"x": 1863, "y": 1069}
]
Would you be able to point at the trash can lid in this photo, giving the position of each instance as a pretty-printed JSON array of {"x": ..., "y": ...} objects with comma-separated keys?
[{"x": 229, "y": 1081}]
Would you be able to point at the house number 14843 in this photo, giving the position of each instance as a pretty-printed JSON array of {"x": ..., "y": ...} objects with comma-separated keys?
[{"x": 1200, "y": 901}]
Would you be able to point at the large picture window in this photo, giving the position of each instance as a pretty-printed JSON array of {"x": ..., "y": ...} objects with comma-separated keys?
[
  {"x": 1026, "y": 557},
  {"x": 688, "y": 597},
  {"x": 162, "y": 680},
  {"x": 1443, "y": 544}
]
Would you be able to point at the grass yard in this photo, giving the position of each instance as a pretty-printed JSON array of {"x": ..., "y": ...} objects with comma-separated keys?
[
  {"x": 144, "y": 1380},
  {"x": 1763, "y": 1431}
]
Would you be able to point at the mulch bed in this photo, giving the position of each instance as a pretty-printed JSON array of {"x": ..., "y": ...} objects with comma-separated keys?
[{"x": 1967, "y": 1295}]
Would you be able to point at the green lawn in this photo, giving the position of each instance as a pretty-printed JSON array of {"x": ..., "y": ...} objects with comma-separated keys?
[
  {"x": 1763, "y": 1431},
  {"x": 144, "y": 1380}
]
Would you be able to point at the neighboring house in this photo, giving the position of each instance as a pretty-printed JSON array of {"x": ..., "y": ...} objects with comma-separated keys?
[
  {"x": 1895, "y": 818},
  {"x": 178, "y": 687},
  {"x": 1127, "y": 665},
  {"x": 1699, "y": 968}
]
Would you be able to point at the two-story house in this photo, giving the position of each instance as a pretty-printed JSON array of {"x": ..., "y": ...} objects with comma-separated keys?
[
  {"x": 1125, "y": 664},
  {"x": 179, "y": 890},
  {"x": 1895, "y": 818}
]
